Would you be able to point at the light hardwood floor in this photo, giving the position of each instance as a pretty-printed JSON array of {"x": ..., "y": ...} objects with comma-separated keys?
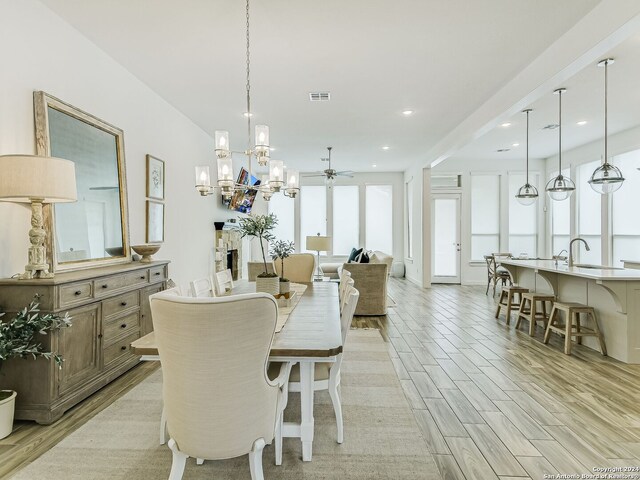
[{"x": 494, "y": 402}]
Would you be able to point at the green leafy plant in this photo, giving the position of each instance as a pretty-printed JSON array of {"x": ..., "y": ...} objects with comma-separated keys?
[
  {"x": 19, "y": 337},
  {"x": 260, "y": 227},
  {"x": 281, "y": 250}
]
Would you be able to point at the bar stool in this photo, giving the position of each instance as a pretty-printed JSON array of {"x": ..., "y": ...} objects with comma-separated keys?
[
  {"x": 572, "y": 326},
  {"x": 529, "y": 310},
  {"x": 507, "y": 299}
]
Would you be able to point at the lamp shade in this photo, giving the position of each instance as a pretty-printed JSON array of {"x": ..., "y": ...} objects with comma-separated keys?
[
  {"x": 318, "y": 243},
  {"x": 23, "y": 177}
]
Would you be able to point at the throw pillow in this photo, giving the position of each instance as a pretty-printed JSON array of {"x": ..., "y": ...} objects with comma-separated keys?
[
  {"x": 364, "y": 258},
  {"x": 353, "y": 255}
]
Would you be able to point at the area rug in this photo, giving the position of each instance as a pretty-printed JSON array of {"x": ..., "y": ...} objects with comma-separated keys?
[{"x": 382, "y": 439}]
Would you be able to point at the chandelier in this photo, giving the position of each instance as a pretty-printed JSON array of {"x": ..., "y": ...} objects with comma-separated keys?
[
  {"x": 560, "y": 187},
  {"x": 278, "y": 179},
  {"x": 527, "y": 194}
]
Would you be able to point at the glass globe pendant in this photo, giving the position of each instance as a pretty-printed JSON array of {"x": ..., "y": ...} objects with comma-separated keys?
[
  {"x": 560, "y": 188},
  {"x": 527, "y": 194},
  {"x": 607, "y": 178}
]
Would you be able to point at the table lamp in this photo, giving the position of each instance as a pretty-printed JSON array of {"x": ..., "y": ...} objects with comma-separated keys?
[
  {"x": 37, "y": 180},
  {"x": 319, "y": 244}
]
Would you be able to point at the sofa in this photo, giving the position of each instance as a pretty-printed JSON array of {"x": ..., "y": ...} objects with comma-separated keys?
[{"x": 371, "y": 281}]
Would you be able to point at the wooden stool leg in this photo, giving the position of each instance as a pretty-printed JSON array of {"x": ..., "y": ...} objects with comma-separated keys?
[
  {"x": 596, "y": 329},
  {"x": 552, "y": 316},
  {"x": 579, "y": 337},
  {"x": 532, "y": 316},
  {"x": 567, "y": 337},
  {"x": 510, "y": 297},
  {"x": 499, "y": 303},
  {"x": 521, "y": 312}
]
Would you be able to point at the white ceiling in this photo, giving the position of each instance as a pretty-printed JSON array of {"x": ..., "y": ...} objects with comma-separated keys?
[
  {"x": 583, "y": 101},
  {"x": 441, "y": 58}
]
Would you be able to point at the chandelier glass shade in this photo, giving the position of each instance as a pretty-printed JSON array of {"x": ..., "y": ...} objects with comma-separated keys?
[
  {"x": 260, "y": 151},
  {"x": 527, "y": 194},
  {"x": 560, "y": 187},
  {"x": 607, "y": 178}
]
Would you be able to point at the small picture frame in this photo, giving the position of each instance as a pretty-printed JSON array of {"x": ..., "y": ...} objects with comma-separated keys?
[
  {"x": 155, "y": 178},
  {"x": 155, "y": 222}
]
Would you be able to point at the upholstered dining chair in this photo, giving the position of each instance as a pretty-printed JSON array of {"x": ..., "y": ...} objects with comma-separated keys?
[
  {"x": 218, "y": 401},
  {"x": 326, "y": 374},
  {"x": 496, "y": 274},
  {"x": 202, "y": 287},
  {"x": 297, "y": 267},
  {"x": 223, "y": 281}
]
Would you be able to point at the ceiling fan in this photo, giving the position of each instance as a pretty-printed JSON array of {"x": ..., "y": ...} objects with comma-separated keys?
[{"x": 329, "y": 173}]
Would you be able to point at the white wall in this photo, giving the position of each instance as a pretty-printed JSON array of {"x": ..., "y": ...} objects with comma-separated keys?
[
  {"x": 39, "y": 51},
  {"x": 414, "y": 268}
]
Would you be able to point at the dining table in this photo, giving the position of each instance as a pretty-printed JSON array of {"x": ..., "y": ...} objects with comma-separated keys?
[{"x": 311, "y": 334}]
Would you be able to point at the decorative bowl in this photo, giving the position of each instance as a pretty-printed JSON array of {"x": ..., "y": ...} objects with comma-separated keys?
[{"x": 146, "y": 251}]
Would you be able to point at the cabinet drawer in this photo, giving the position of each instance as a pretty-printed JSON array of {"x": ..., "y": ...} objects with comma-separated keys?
[
  {"x": 119, "y": 351},
  {"x": 157, "y": 274},
  {"x": 119, "y": 304},
  {"x": 118, "y": 327},
  {"x": 74, "y": 293},
  {"x": 104, "y": 286}
]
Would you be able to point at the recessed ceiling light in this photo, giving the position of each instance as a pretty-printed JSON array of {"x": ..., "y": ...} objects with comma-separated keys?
[
  {"x": 247, "y": 114},
  {"x": 501, "y": 150},
  {"x": 515, "y": 144},
  {"x": 407, "y": 112},
  {"x": 273, "y": 149},
  {"x": 374, "y": 165},
  {"x": 506, "y": 124},
  {"x": 386, "y": 147},
  {"x": 582, "y": 122}
]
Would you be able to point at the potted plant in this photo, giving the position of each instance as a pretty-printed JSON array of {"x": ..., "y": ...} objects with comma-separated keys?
[
  {"x": 261, "y": 227},
  {"x": 20, "y": 338},
  {"x": 281, "y": 250}
]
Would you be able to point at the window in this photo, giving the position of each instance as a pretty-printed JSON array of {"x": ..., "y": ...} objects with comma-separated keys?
[
  {"x": 283, "y": 208},
  {"x": 346, "y": 219},
  {"x": 560, "y": 220},
  {"x": 625, "y": 228},
  {"x": 523, "y": 220},
  {"x": 379, "y": 218},
  {"x": 313, "y": 213},
  {"x": 589, "y": 208},
  {"x": 485, "y": 215},
  {"x": 409, "y": 197}
]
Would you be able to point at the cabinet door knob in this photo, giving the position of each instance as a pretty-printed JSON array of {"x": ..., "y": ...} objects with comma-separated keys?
[
  {"x": 77, "y": 292},
  {"x": 124, "y": 325},
  {"x": 157, "y": 273},
  {"x": 105, "y": 286},
  {"x": 123, "y": 348},
  {"x": 142, "y": 277},
  {"x": 99, "y": 335},
  {"x": 124, "y": 304}
]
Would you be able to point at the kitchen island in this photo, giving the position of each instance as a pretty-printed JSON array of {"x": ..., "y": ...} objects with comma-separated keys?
[{"x": 614, "y": 293}]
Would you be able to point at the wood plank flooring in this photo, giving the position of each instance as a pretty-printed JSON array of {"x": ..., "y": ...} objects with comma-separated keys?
[{"x": 494, "y": 403}]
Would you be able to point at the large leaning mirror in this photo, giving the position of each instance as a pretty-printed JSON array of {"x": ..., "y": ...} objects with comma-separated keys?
[{"x": 94, "y": 230}]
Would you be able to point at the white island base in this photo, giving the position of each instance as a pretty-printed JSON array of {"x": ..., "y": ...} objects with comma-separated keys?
[{"x": 613, "y": 293}]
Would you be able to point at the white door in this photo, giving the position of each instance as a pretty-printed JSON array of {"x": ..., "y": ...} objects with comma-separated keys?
[{"x": 445, "y": 238}]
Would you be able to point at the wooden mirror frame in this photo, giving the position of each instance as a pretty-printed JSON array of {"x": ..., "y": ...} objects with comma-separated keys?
[{"x": 41, "y": 102}]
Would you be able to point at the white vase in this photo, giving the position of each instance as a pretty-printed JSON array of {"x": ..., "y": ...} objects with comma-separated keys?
[
  {"x": 270, "y": 285},
  {"x": 7, "y": 408},
  {"x": 285, "y": 287}
]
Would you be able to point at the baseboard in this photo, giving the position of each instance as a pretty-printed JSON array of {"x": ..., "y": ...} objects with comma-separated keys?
[{"x": 414, "y": 281}]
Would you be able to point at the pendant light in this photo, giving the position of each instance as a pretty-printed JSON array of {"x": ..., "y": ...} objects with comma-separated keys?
[
  {"x": 527, "y": 194},
  {"x": 607, "y": 178},
  {"x": 560, "y": 188}
]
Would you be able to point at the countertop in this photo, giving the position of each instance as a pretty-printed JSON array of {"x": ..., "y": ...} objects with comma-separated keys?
[{"x": 619, "y": 274}]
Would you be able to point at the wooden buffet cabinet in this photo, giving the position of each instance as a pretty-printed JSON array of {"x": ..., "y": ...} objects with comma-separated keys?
[{"x": 109, "y": 307}]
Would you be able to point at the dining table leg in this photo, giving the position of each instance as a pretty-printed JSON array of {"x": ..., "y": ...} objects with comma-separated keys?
[{"x": 306, "y": 403}]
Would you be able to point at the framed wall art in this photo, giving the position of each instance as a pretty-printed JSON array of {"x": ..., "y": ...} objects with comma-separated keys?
[
  {"x": 155, "y": 178},
  {"x": 155, "y": 222}
]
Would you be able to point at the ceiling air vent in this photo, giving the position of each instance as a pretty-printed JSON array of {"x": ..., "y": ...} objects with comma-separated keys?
[
  {"x": 319, "y": 96},
  {"x": 551, "y": 126}
]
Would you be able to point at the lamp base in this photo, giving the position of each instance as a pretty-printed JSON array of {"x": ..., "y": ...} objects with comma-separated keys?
[{"x": 37, "y": 266}]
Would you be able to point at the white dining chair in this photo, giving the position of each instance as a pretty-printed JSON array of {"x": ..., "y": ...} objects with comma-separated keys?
[
  {"x": 349, "y": 283},
  {"x": 219, "y": 402},
  {"x": 223, "y": 281},
  {"x": 344, "y": 275},
  {"x": 326, "y": 374},
  {"x": 202, "y": 287}
]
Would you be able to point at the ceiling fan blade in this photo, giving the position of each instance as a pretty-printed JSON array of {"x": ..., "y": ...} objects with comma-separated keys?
[
  {"x": 344, "y": 175},
  {"x": 346, "y": 172},
  {"x": 315, "y": 175},
  {"x": 104, "y": 188}
]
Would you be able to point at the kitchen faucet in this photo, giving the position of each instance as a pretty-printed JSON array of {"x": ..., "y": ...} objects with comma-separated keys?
[
  {"x": 577, "y": 239},
  {"x": 559, "y": 256}
]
